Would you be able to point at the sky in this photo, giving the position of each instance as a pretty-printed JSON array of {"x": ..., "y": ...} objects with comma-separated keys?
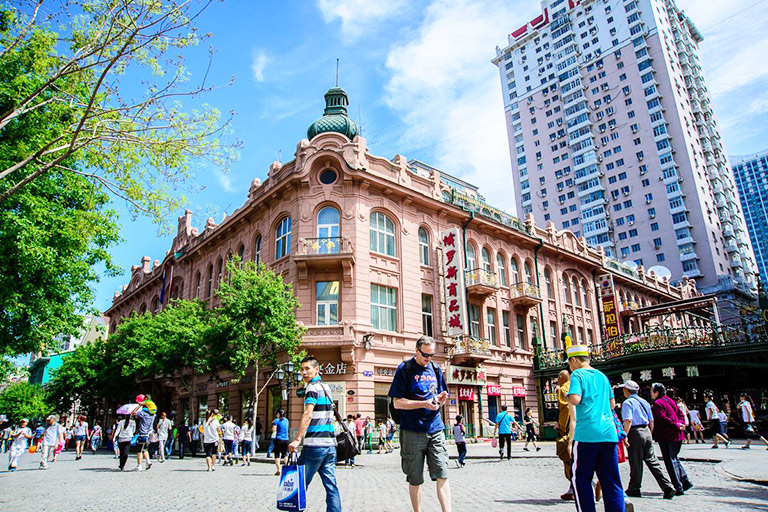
[{"x": 420, "y": 83}]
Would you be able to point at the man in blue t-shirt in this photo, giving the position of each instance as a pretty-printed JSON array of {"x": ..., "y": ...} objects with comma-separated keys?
[
  {"x": 418, "y": 391},
  {"x": 594, "y": 435},
  {"x": 504, "y": 422}
]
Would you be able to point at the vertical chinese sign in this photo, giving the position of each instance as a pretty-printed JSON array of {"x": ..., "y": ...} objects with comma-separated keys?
[
  {"x": 610, "y": 314},
  {"x": 453, "y": 270}
]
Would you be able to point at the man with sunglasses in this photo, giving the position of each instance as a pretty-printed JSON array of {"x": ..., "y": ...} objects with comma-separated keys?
[{"x": 418, "y": 390}]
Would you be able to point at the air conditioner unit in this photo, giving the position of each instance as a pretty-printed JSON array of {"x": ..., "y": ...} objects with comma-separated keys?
[
  {"x": 625, "y": 193},
  {"x": 661, "y": 178},
  {"x": 642, "y": 172},
  {"x": 602, "y": 174},
  {"x": 599, "y": 158},
  {"x": 653, "y": 215},
  {"x": 608, "y": 100},
  {"x": 634, "y": 130},
  {"x": 602, "y": 130},
  {"x": 648, "y": 201},
  {"x": 562, "y": 201},
  {"x": 640, "y": 158}
]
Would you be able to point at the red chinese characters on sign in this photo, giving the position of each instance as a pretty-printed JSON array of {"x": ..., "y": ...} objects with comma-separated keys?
[
  {"x": 610, "y": 314},
  {"x": 494, "y": 390},
  {"x": 518, "y": 391},
  {"x": 466, "y": 393},
  {"x": 453, "y": 273}
]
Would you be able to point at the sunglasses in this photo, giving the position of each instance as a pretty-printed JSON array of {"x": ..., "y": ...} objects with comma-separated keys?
[{"x": 426, "y": 356}]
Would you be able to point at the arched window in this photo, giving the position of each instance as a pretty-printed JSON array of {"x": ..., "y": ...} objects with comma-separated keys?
[
  {"x": 576, "y": 296},
  {"x": 423, "y": 246},
  {"x": 219, "y": 271},
  {"x": 328, "y": 230},
  {"x": 501, "y": 268},
  {"x": 197, "y": 284},
  {"x": 382, "y": 234},
  {"x": 566, "y": 289},
  {"x": 486, "y": 260},
  {"x": 471, "y": 258},
  {"x": 257, "y": 250},
  {"x": 585, "y": 294},
  {"x": 155, "y": 305},
  {"x": 548, "y": 282},
  {"x": 515, "y": 275},
  {"x": 143, "y": 309},
  {"x": 241, "y": 253},
  {"x": 209, "y": 284},
  {"x": 283, "y": 238},
  {"x": 528, "y": 273}
]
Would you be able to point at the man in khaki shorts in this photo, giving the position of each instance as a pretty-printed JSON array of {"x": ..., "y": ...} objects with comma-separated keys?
[{"x": 418, "y": 391}]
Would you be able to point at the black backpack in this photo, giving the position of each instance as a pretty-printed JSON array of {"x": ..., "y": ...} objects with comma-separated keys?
[{"x": 409, "y": 370}]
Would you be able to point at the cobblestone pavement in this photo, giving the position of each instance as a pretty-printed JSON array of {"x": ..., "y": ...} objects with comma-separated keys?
[{"x": 529, "y": 482}]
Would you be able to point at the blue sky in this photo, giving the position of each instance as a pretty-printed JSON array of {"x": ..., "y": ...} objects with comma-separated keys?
[{"x": 420, "y": 82}]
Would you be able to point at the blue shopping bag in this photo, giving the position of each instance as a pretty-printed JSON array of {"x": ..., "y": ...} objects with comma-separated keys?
[{"x": 292, "y": 493}]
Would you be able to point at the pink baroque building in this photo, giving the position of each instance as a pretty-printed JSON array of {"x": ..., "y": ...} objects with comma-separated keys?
[{"x": 359, "y": 237}]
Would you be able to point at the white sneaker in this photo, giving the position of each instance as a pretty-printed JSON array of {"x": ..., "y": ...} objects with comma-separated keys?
[{"x": 139, "y": 468}]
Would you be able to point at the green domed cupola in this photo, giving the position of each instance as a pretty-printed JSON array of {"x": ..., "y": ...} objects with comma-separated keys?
[{"x": 335, "y": 118}]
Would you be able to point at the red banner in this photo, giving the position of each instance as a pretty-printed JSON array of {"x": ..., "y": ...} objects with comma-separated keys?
[
  {"x": 518, "y": 391},
  {"x": 467, "y": 393},
  {"x": 494, "y": 390}
]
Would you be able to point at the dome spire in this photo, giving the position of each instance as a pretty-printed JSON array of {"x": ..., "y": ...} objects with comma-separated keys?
[{"x": 335, "y": 117}]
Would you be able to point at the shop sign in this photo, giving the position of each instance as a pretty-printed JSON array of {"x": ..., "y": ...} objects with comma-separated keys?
[
  {"x": 368, "y": 373},
  {"x": 467, "y": 393},
  {"x": 385, "y": 372},
  {"x": 518, "y": 391},
  {"x": 466, "y": 375},
  {"x": 668, "y": 372},
  {"x": 645, "y": 375},
  {"x": 222, "y": 384},
  {"x": 494, "y": 390},
  {"x": 608, "y": 297},
  {"x": 333, "y": 369},
  {"x": 692, "y": 371},
  {"x": 453, "y": 271}
]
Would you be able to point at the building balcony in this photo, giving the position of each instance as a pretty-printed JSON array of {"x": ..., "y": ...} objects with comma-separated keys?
[
  {"x": 731, "y": 247},
  {"x": 481, "y": 282},
  {"x": 524, "y": 295},
  {"x": 470, "y": 350},
  {"x": 335, "y": 335},
  {"x": 330, "y": 253}
]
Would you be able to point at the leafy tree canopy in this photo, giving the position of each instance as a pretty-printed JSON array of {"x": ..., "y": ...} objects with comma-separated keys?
[{"x": 25, "y": 400}]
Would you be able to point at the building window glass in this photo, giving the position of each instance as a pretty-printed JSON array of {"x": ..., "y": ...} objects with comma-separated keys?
[
  {"x": 548, "y": 282},
  {"x": 553, "y": 334},
  {"x": 501, "y": 269},
  {"x": 515, "y": 275},
  {"x": 426, "y": 315},
  {"x": 528, "y": 273},
  {"x": 382, "y": 234},
  {"x": 423, "y": 246},
  {"x": 486, "y": 260},
  {"x": 327, "y": 302},
  {"x": 197, "y": 284},
  {"x": 328, "y": 230},
  {"x": 257, "y": 251},
  {"x": 566, "y": 289},
  {"x": 219, "y": 271},
  {"x": 209, "y": 284},
  {"x": 474, "y": 321},
  {"x": 576, "y": 297},
  {"x": 490, "y": 315},
  {"x": 585, "y": 294},
  {"x": 283, "y": 238},
  {"x": 521, "y": 332},
  {"x": 471, "y": 258},
  {"x": 383, "y": 308},
  {"x": 507, "y": 332}
]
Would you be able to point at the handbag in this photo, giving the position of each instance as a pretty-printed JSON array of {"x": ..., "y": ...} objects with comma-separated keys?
[
  {"x": 494, "y": 442},
  {"x": 292, "y": 491},
  {"x": 134, "y": 440},
  {"x": 346, "y": 445}
]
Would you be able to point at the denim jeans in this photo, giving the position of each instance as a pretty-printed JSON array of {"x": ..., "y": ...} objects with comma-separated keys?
[{"x": 322, "y": 460}]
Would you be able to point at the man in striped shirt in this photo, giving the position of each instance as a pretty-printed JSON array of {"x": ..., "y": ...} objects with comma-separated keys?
[{"x": 316, "y": 428}]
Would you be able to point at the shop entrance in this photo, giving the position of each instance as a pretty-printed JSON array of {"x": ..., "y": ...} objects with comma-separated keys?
[
  {"x": 467, "y": 410},
  {"x": 274, "y": 403},
  {"x": 493, "y": 407}
]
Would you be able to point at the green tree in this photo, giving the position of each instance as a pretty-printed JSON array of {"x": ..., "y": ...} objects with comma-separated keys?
[
  {"x": 258, "y": 311},
  {"x": 55, "y": 235},
  {"x": 114, "y": 81},
  {"x": 25, "y": 400}
]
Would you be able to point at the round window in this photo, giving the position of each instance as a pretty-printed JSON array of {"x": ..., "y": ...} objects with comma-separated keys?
[{"x": 328, "y": 176}]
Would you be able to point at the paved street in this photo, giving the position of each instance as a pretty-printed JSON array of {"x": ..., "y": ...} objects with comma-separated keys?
[{"x": 529, "y": 482}]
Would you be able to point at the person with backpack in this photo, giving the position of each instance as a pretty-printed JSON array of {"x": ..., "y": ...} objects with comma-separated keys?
[{"x": 418, "y": 392}]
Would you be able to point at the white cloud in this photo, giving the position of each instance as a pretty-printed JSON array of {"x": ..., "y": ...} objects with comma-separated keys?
[
  {"x": 357, "y": 16},
  {"x": 448, "y": 93},
  {"x": 225, "y": 180},
  {"x": 260, "y": 61}
]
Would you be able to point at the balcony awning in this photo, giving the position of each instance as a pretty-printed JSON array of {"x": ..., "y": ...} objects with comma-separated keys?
[{"x": 703, "y": 304}]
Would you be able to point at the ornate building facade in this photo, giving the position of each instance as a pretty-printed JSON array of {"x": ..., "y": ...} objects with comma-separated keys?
[{"x": 360, "y": 237}]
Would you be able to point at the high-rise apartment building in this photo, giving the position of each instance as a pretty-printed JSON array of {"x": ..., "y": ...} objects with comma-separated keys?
[
  {"x": 612, "y": 136},
  {"x": 751, "y": 173}
]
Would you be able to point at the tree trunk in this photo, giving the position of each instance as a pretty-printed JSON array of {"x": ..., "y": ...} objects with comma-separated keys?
[{"x": 255, "y": 405}]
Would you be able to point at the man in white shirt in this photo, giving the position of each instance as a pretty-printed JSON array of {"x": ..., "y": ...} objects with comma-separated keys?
[
  {"x": 52, "y": 436},
  {"x": 714, "y": 423},
  {"x": 163, "y": 426},
  {"x": 228, "y": 435}
]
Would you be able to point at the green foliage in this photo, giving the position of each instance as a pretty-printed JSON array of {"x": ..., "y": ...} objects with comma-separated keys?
[
  {"x": 255, "y": 323},
  {"x": 25, "y": 400},
  {"x": 260, "y": 312},
  {"x": 101, "y": 83}
]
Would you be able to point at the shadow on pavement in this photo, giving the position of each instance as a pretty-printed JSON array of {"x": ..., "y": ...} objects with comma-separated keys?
[{"x": 540, "y": 503}]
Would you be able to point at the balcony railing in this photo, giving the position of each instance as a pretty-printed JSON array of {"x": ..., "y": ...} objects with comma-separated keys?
[
  {"x": 523, "y": 290},
  {"x": 481, "y": 277},
  {"x": 471, "y": 345},
  {"x": 666, "y": 339},
  {"x": 326, "y": 245}
]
